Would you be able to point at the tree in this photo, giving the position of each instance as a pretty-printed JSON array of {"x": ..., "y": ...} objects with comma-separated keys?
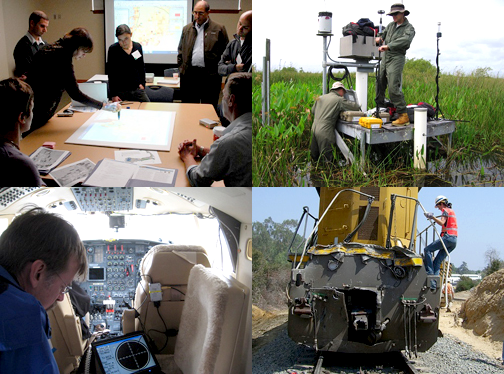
[
  {"x": 464, "y": 284},
  {"x": 463, "y": 269},
  {"x": 273, "y": 239},
  {"x": 494, "y": 266},
  {"x": 270, "y": 267},
  {"x": 494, "y": 263}
]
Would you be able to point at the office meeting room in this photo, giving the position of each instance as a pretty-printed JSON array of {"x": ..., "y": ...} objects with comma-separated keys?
[{"x": 124, "y": 93}]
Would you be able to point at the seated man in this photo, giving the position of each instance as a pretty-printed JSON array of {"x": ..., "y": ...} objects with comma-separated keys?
[
  {"x": 230, "y": 157},
  {"x": 29, "y": 44},
  {"x": 18, "y": 169},
  {"x": 40, "y": 254},
  {"x": 326, "y": 111},
  {"x": 238, "y": 54}
]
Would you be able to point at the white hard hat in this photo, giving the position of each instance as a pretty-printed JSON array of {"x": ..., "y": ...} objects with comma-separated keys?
[{"x": 440, "y": 199}]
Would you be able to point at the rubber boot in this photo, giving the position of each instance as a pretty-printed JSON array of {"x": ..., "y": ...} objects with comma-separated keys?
[{"x": 403, "y": 120}]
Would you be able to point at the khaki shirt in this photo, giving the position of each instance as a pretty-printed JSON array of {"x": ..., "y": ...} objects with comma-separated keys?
[{"x": 398, "y": 39}]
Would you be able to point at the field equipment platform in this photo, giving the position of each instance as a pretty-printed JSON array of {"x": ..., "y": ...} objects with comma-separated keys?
[{"x": 389, "y": 134}]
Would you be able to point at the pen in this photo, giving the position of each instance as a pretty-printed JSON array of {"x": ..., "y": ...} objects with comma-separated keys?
[{"x": 118, "y": 115}]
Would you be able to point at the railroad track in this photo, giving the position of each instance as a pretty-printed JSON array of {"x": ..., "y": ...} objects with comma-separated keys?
[{"x": 327, "y": 363}]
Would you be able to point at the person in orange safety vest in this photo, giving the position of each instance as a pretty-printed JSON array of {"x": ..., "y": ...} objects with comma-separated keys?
[{"x": 448, "y": 222}]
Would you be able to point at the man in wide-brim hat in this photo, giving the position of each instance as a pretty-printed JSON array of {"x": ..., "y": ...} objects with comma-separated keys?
[
  {"x": 394, "y": 42},
  {"x": 326, "y": 112}
]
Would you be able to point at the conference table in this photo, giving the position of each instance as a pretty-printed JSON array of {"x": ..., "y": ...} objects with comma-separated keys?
[{"x": 186, "y": 126}]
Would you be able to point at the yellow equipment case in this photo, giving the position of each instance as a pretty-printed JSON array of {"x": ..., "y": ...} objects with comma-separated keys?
[{"x": 370, "y": 122}]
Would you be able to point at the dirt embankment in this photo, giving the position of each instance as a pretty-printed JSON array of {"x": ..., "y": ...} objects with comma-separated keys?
[{"x": 263, "y": 321}]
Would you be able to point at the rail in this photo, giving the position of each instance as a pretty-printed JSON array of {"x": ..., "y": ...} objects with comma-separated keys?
[
  {"x": 324, "y": 214},
  {"x": 433, "y": 225}
]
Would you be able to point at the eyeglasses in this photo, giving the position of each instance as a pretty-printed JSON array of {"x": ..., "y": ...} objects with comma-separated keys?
[
  {"x": 198, "y": 13},
  {"x": 67, "y": 288}
]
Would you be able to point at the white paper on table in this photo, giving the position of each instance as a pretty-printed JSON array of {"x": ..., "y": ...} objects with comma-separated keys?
[
  {"x": 169, "y": 81},
  {"x": 70, "y": 175},
  {"x": 111, "y": 173},
  {"x": 138, "y": 157},
  {"x": 83, "y": 109},
  {"x": 153, "y": 174},
  {"x": 46, "y": 158}
]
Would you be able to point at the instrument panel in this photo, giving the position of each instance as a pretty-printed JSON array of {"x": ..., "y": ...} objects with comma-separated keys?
[{"x": 113, "y": 275}]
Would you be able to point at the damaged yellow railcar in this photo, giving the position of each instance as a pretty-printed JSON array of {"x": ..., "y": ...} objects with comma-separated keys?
[{"x": 358, "y": 285}]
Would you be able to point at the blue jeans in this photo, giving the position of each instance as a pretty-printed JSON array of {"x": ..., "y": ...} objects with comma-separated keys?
[{"x": 449, "y": 241}]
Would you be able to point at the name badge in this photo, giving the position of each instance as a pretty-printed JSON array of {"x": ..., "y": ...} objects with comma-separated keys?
[{"x": 136, "y": 55}]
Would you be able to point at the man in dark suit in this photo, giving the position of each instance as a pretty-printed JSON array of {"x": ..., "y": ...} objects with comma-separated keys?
[
  {"x": 201, "y": 45},
  {"x": 29, "y": 44}
]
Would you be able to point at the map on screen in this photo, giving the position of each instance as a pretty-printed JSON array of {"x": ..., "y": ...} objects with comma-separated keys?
[
  {"x": 156, "y": 25},
  {"x": 137, "y": 129}
]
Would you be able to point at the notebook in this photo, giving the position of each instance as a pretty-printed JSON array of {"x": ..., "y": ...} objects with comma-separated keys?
[
  {"x": 125, "y": 354},
  {"x": 97, "y": 91}
]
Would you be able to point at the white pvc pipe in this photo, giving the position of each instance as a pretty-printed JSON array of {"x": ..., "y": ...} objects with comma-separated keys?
[
  {"x": 324, "y": 65},
  {"x": 361, "y": 88},
  {"x": 420, "y": 139}
]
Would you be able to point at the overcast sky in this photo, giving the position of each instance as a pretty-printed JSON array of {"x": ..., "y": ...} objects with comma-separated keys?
[
  {"x": 479, "y": 215},
  {"x": 472, "y": 35}
]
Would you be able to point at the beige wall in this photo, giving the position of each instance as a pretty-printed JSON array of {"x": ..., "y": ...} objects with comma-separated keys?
[
  {"x": 230, "y": 20},
  {"x": 4, "y": 67},
  {"x": 70, "y": 14},
  {"x": 14, "y": 25},
  {"x": 77, "y": 13}
]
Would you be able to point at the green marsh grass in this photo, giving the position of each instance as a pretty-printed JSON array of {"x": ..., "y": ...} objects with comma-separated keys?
[{"x": 281, "y": 154}]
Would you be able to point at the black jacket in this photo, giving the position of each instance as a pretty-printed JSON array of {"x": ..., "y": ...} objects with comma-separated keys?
[
  {"x": 125, "y": 73},
  {"x": 215, "y": 42},
  {"x": 51, "y": 73},
  {"x": 23, "y": 55},
  {"x": 233, "y": 48}
]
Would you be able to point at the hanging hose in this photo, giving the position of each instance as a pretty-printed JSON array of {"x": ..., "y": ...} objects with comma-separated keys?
[{"x": 346, "y": 75}]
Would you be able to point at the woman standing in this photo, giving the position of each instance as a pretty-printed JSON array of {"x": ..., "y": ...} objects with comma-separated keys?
[
  {"x": 448, "y": 222},
  {"x": 126, "y": 68},
  {"x": 52, "y": 72}
]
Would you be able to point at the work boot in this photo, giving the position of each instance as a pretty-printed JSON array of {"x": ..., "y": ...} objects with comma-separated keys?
[{"x": 403, "y": 120}]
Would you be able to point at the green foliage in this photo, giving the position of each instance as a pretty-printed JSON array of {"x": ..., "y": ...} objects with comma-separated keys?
[
  {"x": 493, "y": 266},
  {"x": 494, "y": 263},
  {"x": 482, "y": 72},
  {"x": 419, "y": 66},
  {"x": 281, "y": 154},
  {"x": 465, "y": 283},
  {"x": 270, "y": 267},
  {"x": 462, "y": 269}
]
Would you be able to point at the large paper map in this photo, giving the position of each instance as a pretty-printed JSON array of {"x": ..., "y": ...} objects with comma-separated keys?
[{"x": 137, "y": 129}]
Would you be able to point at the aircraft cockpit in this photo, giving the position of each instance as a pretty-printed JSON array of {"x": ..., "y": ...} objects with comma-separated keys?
[{"x": 168, "y": 282}]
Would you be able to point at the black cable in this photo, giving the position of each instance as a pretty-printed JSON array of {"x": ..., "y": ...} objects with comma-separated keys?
[
  {"x": 176, "y": 289},
  {"x": 377, "y": 113},
  {"x": 168, "y": 332},
  {"x": 438, "y": 109}
]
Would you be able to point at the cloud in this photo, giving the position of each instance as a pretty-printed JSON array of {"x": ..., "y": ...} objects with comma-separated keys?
[{"x": 292, "y": 27}]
